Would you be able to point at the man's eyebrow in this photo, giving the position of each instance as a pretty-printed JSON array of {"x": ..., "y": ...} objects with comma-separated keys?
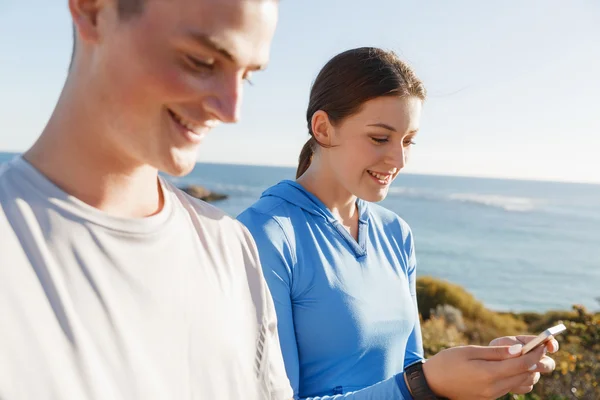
[{"x": 215, "y": 46}]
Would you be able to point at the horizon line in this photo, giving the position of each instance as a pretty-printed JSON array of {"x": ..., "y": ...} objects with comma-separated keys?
[{"x": 435, "y": 174}]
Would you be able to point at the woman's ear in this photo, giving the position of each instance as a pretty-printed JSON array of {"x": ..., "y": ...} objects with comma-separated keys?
[{"x": 321, "y": 128}]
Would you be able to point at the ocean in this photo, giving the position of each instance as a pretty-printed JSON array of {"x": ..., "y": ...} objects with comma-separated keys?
[{"x": 515, "y": 245}]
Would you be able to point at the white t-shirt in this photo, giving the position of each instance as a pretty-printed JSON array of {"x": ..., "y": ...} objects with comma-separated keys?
[{"x": 173, "y": 306}]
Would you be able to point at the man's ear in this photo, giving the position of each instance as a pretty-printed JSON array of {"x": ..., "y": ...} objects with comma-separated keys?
[{"x": 85, "y": 18}]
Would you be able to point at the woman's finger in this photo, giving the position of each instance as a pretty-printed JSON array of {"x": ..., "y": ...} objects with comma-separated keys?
[
  {"x": 552, "y": 346},
  {"x": 519, "y": 384},
  {"x": 528, "y": 385},
  {"x": 526, "y": 364},
  {"x": 546, "y": 365}
]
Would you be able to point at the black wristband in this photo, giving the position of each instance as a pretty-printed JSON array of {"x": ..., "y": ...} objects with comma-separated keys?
[{"x": 417, "y": 383}]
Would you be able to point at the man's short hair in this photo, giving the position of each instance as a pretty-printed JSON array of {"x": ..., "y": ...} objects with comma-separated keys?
[{"x": 130, "y": 8}]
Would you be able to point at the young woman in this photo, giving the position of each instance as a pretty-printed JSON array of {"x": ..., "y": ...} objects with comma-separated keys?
[{"x": 341, "y": 269}]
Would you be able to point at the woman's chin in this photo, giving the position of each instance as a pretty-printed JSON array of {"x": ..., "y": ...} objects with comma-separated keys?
[{"x": 375, "y": 196}]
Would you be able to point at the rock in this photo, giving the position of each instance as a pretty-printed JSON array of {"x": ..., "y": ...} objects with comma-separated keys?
[{"x": 203, "y": 194}]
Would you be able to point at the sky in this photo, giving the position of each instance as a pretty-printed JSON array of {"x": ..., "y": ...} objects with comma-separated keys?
[{"x": 514, "y": 86}]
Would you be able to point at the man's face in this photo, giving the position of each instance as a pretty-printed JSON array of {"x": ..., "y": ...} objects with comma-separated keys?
[{"x": 165, "y": 78}]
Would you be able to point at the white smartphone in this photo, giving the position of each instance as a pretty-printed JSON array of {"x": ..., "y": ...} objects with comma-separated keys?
[{"x": 543, "y": 337}]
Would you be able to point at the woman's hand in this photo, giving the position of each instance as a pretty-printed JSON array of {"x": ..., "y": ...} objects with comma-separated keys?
[
  {"x": 483, "y": 373},
  {"x": 545, "y": 366}
]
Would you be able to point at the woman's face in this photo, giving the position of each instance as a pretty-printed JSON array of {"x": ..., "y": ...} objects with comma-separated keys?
[{"x": 371, "y": 147}]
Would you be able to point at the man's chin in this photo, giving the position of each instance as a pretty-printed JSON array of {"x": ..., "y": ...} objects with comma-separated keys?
[
  {"x": 179, "y": 166},
  {"x": 180, "y": 170}
]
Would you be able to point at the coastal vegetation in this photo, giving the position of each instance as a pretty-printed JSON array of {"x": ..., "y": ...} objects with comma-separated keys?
[{"x": 452, "y": 317}]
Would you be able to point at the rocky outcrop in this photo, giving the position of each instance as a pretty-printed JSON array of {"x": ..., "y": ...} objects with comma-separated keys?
[{"x": 203, "y": 194}]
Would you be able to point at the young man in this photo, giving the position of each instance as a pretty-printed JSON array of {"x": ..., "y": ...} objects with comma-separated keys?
[{"x": 113, "y": 283}]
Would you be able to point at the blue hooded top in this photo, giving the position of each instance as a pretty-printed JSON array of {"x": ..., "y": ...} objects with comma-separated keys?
[{"x": 347, "y": 309}]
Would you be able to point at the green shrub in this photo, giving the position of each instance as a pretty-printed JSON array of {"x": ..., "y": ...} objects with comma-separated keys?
[
  {"x": 539, "y": 322},
  {"x": 444, "y": 306},
  {"x": 432, "y": 292},
  {"x": 577, "y": 374},
  {"x": 481, "y": 324},
  {"x": 438, "y": 335}
]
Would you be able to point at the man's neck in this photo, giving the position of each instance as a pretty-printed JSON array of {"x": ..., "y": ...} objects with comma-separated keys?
[{"x": 83, "y": 166}]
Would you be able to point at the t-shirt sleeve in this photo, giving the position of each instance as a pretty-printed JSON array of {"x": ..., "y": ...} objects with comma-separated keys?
[
  {"x": 277, "y": 262},
  {"x": 280, "y": 339},
  {"x": 277, "y": 377}
]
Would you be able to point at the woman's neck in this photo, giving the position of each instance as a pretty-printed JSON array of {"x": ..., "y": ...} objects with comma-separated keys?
[{"x": 337, "y": 199}]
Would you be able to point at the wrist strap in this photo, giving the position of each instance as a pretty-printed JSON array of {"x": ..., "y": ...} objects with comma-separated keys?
[{"x": 417, "y": 383}]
